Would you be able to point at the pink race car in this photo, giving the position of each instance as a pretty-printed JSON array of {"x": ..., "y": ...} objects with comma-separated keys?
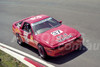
[{"x": 48, "y": 35}]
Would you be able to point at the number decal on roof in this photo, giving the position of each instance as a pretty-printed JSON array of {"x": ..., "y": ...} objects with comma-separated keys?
[{"x": 37, "y": 17}]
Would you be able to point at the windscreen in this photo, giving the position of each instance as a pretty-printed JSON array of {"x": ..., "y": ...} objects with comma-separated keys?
[{"x": 45, "y": 25}]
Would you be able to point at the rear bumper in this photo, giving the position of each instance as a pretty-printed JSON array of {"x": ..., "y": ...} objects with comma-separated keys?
[{"x": 67, "y": 48}]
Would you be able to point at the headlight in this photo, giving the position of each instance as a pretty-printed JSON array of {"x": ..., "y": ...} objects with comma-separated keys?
[
  {"x": 58, "y": 47},
  {"x": 54, "y": 48}
]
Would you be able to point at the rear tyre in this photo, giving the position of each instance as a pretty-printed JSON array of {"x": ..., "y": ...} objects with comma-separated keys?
[
  {"x": 42, "y": 52},
  {"x": 19, "y": 40}
]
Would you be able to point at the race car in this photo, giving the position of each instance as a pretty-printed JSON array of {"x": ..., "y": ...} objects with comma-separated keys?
[{"x": 49, "y": 36}]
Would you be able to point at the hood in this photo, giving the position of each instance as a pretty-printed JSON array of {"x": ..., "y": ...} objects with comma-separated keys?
[{"x": 57, "y": 35}]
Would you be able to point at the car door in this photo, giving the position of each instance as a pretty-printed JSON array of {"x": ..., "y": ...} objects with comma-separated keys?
[{"x": 28, "y": 34}]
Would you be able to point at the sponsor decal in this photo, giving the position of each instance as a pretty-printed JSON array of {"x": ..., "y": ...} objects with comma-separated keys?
[
  {"x": 26, "y": 37},
  {"x": 17, "y": 30},
  {"x": 54, "y": 33},
  {"x": 31, "y": 37},
  {"x": 37, "y": 17},
  {"x": 63, "y": 37}
]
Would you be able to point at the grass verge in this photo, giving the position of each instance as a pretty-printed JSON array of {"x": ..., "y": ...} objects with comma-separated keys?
[{"x": 9, "y": 61}]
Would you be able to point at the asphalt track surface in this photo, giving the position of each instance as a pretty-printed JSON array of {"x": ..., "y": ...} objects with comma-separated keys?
[{"x": 83, "y": 15}]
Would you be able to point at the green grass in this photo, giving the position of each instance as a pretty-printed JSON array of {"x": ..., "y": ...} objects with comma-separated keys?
[{"x": 9, "y": 61}]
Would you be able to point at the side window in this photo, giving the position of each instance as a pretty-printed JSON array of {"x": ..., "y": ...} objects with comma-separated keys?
[
  {"x": 19, "y": 24},
  {"x": 26, "y": 27}
]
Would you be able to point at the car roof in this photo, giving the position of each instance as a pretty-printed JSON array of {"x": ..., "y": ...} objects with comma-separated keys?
[{"x": 37, "y": 18}]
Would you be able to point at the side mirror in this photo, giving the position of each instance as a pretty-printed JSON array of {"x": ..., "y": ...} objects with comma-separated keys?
[{"x": 60, "y": 21}]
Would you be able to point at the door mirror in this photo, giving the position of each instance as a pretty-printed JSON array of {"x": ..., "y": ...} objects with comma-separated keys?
[
  {"x": 60, "y": 21},
  {"x": 21, "y": 27}
]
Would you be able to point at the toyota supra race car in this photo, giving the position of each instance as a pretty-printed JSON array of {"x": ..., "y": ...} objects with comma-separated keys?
[{"x": 49, "y": 36}]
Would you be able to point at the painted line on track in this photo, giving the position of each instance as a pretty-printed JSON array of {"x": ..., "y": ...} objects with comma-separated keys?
[
  {"x": 17, "y": 56},
  {"x": 28, "y": 55}
]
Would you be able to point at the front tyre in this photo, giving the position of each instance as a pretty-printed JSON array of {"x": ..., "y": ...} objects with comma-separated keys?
[{"x": 42, "y": 52}]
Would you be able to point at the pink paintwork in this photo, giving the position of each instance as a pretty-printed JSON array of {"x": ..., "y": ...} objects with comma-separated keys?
[{"x": 51, "y": 42}]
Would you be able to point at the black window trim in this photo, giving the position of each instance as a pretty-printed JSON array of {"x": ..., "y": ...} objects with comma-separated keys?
[{"x": 26, "y": 30}]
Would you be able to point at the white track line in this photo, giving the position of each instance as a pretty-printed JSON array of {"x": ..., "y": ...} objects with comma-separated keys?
[
  {"x": 28, "y": 55},
  {"x": 17, "y": 56}
]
